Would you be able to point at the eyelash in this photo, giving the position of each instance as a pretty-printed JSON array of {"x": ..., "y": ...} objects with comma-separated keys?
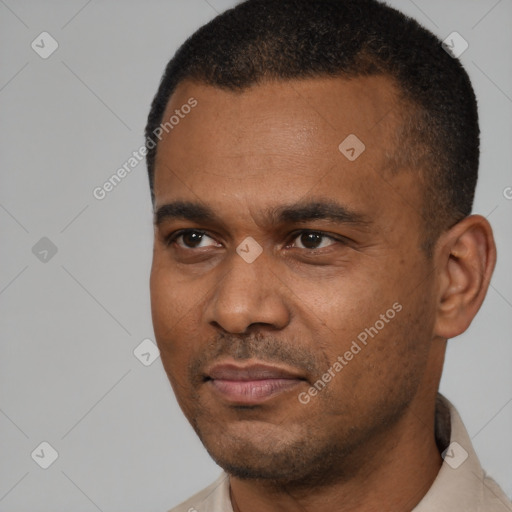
[{"x": 170, "y": 239}]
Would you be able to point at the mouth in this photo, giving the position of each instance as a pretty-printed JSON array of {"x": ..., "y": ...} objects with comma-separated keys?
[{"x": 251, "y": 383}]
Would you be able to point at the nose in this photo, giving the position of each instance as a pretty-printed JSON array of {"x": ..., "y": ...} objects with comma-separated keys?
[{"x": 248, "y": 294}]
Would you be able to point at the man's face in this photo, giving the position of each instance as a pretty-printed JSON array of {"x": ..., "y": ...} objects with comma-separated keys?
[{"x": 244, "y": 337}]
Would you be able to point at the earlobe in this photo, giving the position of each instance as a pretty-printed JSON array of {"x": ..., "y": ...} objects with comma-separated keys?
[{"x": 465, "y": 258}]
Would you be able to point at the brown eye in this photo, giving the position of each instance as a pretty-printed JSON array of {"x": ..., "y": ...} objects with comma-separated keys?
[
  {"x": 191, "y": 239},
  {"x": 313, "y": 240}
]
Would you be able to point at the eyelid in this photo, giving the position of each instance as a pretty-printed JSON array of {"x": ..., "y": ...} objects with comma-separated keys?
[{"x": 171, "y": 238}]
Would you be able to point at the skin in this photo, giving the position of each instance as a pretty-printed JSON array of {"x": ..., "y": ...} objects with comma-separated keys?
[{"x": 366, "y": 440}]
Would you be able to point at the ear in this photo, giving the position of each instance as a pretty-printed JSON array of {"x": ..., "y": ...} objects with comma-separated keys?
[{"x": 465, "y": 258}]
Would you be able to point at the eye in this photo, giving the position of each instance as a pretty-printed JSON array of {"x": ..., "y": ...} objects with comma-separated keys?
[
  {"x": 314, "y": 240},
  {"x": 190, "y": 239}
]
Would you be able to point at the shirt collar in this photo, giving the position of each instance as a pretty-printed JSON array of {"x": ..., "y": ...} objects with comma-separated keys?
[{"x": 459, "y": 485}]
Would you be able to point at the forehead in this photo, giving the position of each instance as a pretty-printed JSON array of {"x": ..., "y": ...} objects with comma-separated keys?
[
  {"x": 279, "y": 141},
  {"x": 313, "y": 114}
]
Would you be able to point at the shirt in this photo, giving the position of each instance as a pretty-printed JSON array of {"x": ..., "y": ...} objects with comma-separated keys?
[{"x": 460, "y": 486}]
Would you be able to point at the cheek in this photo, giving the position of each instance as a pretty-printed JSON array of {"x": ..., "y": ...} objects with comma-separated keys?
[
  {"x": 172, "y": 305},
  {"x": 344, "y": 307},
  {"x": 171, "y": 297},
  {"x": 378, "y": 328}
]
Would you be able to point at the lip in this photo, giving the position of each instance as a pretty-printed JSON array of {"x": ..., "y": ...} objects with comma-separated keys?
[{"x": 251, "y": 383}]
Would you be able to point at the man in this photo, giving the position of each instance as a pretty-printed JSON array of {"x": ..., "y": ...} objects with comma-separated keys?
[{"x": 312, "y": 167}]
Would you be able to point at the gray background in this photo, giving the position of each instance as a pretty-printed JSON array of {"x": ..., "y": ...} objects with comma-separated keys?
[{"x": 70, "y": 324}]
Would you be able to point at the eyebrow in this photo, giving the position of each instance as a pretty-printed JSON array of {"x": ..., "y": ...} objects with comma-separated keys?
[{"x": 301, "y": 211}]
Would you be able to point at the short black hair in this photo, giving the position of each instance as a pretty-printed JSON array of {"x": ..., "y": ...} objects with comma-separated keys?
[{"x": 261, "y": 40}]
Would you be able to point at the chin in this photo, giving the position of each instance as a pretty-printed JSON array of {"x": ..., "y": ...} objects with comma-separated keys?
[
  {"x": 248, "y": 462},
  {"x": 282, "y": 455},
  {"x": 254, "y": 449}
]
